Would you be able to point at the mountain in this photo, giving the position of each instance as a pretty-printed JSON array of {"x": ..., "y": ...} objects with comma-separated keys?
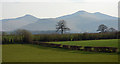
[
  {"x": 80, "y": 21},
  {"x": 42, "y": 25},
  {"x": 83, "y": 21},
  {"x": 16, "y": 23}
]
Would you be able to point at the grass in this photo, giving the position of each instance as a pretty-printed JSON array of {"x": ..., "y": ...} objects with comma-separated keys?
[
  {"x": 36, "y": 53},
  {"x": 0, "y": 48},
  {"x": 104, "y": 43}
]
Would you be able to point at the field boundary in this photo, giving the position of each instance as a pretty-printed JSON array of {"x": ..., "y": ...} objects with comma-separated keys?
[{"x": 81, "y": 48}]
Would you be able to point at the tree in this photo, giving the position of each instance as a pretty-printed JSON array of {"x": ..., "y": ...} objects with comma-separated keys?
[
  {"x": 61, "y": 26},
  {"x": 102, "y": 28},
  {"x": 27, "y": 36},
  {"x": 112, "y": 30},
  {"x": 4, "y": 33}
]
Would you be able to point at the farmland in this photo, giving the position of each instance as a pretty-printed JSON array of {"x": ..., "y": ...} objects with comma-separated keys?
[
  {"x": 102, "y": 43},
  {"x": 36, "y": 53},
  {"x": 22, "y": 48}
]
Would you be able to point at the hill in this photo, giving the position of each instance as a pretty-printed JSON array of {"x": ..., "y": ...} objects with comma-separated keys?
[{"x": 80, "y": 21}]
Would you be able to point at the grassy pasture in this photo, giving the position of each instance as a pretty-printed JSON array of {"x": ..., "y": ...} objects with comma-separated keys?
[
  {"x": 36, "y": 53},
  {"x": 102, "y": 43}
]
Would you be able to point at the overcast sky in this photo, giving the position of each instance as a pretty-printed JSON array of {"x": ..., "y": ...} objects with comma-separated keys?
[{"x": 55, "y": 8}]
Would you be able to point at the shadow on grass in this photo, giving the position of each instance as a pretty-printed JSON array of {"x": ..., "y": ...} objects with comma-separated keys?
[{"x": 67, "y": 50}]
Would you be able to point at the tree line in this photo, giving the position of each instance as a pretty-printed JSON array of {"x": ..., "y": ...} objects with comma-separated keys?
[{"x": 28, "y": 38}]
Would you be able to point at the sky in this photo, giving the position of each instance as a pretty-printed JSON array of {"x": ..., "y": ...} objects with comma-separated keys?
[{"x": 55, "y": 8}]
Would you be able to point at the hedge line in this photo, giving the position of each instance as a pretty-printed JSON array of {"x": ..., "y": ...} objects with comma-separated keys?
[
  {"x": 82, "y": 48},
  {"x": 10, "y": 39},
  {"x": 74, "y": 37}
]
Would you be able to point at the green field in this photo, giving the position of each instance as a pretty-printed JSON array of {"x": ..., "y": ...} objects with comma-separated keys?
[
  {"x": 36, "y": 53},
  {"x": 103, "y": 43}
]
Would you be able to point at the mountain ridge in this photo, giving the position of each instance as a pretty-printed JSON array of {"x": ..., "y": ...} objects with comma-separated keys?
[
  {"x": 61, "y": 16},
  {"x": 79, "y": 22}
]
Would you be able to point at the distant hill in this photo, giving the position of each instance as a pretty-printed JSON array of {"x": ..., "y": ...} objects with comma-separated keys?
[
  {"x": 80, "y": 21},
  {"x": 16, "y": 23}
]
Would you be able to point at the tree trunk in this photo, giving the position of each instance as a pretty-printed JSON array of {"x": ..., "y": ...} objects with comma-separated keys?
[{"x": 62, "y": 31}]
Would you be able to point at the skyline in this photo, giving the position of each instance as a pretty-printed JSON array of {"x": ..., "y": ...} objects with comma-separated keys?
[
  {"x": 56, "y": 9},
  {"x": 61, "y": 15}
]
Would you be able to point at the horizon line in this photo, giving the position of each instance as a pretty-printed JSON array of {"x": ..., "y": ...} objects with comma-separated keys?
[{"x": 58, "y": 16}]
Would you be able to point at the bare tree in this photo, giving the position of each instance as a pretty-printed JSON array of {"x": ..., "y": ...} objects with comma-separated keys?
[
  {"x": 102, "y": 28},
  {"x": 61, "y": 26}
]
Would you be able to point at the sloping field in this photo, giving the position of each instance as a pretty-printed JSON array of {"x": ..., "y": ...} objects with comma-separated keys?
[
  {"x": 36, "y": 53},
  {"x": 102, "y": 43}
]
